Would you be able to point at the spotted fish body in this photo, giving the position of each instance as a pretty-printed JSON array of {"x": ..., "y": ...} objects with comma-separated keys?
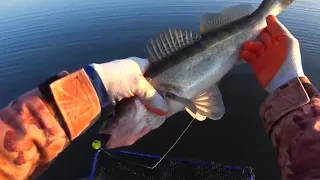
[{"x": 186, "y": 67}]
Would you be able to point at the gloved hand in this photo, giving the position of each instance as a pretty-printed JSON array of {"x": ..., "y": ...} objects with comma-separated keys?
[
  {"x": 276, "y": 59},
  {"x": 124, "y": 79}
]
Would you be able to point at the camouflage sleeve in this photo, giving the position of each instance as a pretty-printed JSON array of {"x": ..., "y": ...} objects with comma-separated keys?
[
  {"x": 31, "y": 133},
  {"x": 291, "y": 116}
]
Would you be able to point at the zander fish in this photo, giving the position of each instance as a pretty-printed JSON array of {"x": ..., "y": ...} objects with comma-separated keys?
[{"x": 185, "y": 67}]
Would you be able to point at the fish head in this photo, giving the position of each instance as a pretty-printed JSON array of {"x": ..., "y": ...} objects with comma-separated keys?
[{"x": 131, "y": 121}]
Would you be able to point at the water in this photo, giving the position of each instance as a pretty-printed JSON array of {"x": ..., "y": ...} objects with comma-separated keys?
[{"x": 40, "y": 38}]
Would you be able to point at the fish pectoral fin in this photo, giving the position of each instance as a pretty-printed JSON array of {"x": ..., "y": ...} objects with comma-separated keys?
[
  {"x": 209, "y": 105},
  {"x": 212, "y": 21},
  {"x": 189, "y": 106},
  {"x": 196, "y": 115}
]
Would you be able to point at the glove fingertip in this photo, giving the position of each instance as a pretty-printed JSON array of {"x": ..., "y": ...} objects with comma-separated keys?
[
  {"x": 275, "y": 27},
  {"x": 247, "y": 45},
  {"x": 157, "y": 105},
  {"x": 248, "y": 56},
  {"x": 150, "y": 97},
  {"x": 271, "y": 18}
]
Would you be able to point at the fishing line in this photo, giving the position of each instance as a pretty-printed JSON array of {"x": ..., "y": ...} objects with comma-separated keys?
[
  {"x": 98, "y": 146},
  {"x": 167, "y": 152},
  {"x": 99, "y": 149}
]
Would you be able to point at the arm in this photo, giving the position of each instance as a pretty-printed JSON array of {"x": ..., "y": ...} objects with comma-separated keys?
[
  {"x": 40, "y": 124},
  {"x": 292, "y": 111},
  {"x": 33, "y": 132},
  {"x": 291, "y": 117}
]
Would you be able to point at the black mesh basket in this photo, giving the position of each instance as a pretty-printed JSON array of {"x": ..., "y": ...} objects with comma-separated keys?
[{"x": 125, "y": 165}]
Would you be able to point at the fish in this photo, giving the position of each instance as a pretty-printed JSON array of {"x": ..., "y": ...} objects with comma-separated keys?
[{"x": 185, "y": 67}]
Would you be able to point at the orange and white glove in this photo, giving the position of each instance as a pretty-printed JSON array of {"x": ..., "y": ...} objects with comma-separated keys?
[{"x": 276, "y": 59}]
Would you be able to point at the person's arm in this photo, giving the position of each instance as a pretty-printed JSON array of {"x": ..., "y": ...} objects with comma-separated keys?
[
  {"x": 291, "y": 117},
  {"x": 34, "y": 131},
  {"x": 40, "y": 124},
  {"x": 291, "y": 112}
]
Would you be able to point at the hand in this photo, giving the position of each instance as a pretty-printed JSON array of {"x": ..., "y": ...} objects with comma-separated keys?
[
  {"x": 276, "y": 59},
  {"x": 124, "y": 79}
]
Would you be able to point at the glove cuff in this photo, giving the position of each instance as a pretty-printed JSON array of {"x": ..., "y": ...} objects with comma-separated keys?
[
  {"x": 94, "y": 76},
  {"x": 285, "y": 74}
]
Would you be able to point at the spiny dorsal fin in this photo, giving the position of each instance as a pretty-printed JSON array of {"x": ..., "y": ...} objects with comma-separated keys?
[
  {"x": 211, "y": 21},
  {"x": 168, "y": 42}
]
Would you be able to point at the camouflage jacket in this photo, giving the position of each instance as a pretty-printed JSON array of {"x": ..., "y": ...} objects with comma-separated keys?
[{"x": 33, "y": 133}]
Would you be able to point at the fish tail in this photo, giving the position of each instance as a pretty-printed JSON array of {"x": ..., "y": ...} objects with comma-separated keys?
[{"x": 272, "y": 7}]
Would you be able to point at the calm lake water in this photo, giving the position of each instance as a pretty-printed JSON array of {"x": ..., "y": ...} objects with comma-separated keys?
[{"x": 40, "y": 38}]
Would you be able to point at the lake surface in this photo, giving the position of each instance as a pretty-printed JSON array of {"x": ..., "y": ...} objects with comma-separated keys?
[{"x": 40, "y": 38}]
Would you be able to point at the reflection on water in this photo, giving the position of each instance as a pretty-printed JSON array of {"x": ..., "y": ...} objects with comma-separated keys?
[{"x": 40, "y": 38}]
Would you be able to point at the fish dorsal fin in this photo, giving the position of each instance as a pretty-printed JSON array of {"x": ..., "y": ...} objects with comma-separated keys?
[
  {"x": 208, "y": 105},
  {"x": 168, "y": 42},
  {"x": 211, "y": 21}
]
